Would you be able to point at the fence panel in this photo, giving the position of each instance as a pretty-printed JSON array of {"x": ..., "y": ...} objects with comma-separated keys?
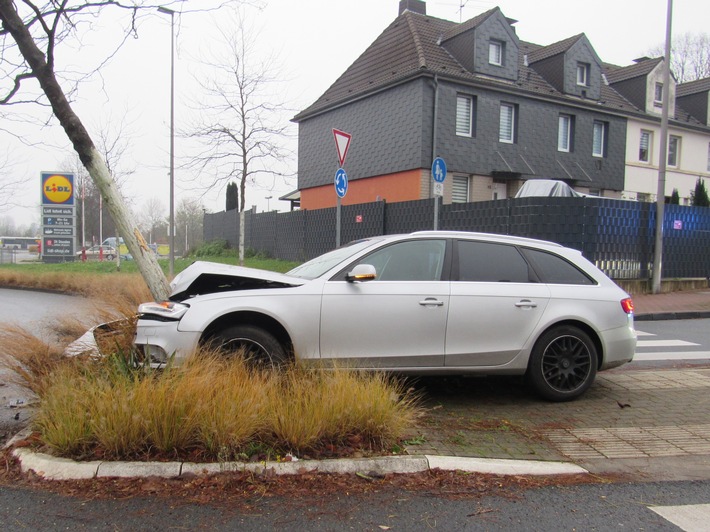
[{"x": 616, "y": 235}]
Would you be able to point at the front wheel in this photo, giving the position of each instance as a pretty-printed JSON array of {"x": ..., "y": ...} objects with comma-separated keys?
[
  {"x": 563, "y": 363},
  {"x": 258, "y": 347}
]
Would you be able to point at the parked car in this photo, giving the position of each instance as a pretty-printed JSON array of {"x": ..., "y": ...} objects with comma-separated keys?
[
  {"x": 96, "y": 252},
  {"x": 424, "y": 303}
]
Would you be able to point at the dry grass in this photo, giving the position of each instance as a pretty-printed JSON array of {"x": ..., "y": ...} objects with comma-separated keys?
[{"x": 216, "y": 409}]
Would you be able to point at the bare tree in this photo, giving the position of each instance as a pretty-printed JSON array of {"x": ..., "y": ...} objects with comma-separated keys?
[
  {"x": 240, "y": 123},
  {"x": 29, "y": 36},
  {"x": 188, "y": 221},
  {"x": 690, "y": 56},
  {"x": 153, "y": 219}
]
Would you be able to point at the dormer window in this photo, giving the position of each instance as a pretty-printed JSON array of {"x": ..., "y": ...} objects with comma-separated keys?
[
  {"x": 583, "y": 74},
  {"x": 658, "y": 94},
  {"x": 495, "y": 53}
]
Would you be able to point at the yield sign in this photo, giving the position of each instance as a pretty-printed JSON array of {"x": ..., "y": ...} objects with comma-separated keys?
[{"x": 342, "y": 143}]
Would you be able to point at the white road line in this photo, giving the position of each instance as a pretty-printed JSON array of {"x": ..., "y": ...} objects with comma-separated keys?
[
  {"x": 641, "y": 333},
  {"x": 690, "y": 517},
  {"x": 673, "y": 355},
  {"x": 663, "y": 343}
]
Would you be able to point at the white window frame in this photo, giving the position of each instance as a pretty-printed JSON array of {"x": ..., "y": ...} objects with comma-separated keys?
[
  {"x": 583, "y": 74},
  {"x": 460, "y": 189},
  {"x": 464, "y": 117},
  {"x": 674, "y": 139},
  {"x": 495, "y": 53},
  {"x": 649, "y": 143},
  {"x": 658, "y": 93},
  {"x": 598, "y": 139},
  {"x": 506, "y": 134},
  {"x": 564, "y": 133}
]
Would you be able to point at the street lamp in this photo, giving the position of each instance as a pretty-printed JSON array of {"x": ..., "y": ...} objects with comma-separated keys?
[
  {"x": 171, "y": 238},
  {"x": 267, "y": 203}
]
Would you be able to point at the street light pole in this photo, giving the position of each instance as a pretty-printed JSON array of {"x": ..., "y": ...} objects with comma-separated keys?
[
  {"x": 267, "y": 203},
  {"x": 171, "y": 238},
  {"x": 663, "y": 159}
]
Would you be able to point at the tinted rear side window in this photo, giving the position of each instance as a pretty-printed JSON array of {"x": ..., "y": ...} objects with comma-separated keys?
[
  {"x": 489, "y": 262},
  {"x": 552, "y": 269}
]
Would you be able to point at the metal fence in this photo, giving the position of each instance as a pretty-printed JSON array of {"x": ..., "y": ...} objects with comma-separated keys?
[
  {"x": 7, "y": 256},
  {"x": 616, "y": 235}
]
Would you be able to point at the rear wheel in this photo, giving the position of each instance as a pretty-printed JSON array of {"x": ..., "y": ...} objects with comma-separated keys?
[
  {"x": 563, "y": 363},
  {"x": 258, "y": 347}
]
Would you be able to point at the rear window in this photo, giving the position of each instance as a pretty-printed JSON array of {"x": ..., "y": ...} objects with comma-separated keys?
[
  {"x": 489, "y": 262},
  {"x": 553, "y": 269}
]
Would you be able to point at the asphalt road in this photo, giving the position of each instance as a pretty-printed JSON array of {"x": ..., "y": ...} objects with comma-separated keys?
[{"x": 649, "y": 506}]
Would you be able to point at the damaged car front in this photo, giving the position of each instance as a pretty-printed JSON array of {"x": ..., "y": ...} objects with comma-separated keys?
[{"x": 210, "y": 301}]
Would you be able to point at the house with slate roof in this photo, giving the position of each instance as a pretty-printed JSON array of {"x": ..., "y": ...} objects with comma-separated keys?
[
  {"x": 688, "y": 135},
  {"x": 499, "y": 111}
]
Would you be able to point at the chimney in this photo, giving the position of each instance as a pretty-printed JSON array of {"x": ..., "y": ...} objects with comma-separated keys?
[{"x": 416, "y": 6}]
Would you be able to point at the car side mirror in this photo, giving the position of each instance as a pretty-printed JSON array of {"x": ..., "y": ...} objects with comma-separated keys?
[{"x": 361, "y": 272}]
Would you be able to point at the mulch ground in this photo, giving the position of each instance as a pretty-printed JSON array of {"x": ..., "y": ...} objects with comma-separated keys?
[{"x": 245, "y": 490}]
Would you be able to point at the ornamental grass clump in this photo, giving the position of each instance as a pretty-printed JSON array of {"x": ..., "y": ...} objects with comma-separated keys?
[{"x": 215, "y": 409}]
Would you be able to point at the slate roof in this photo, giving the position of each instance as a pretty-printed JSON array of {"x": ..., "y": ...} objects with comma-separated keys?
[
  {"x": 693, "y": 87},
  {"x": 615, "y": 74},
  {"x": 410, "y": 47},
  {"x": 553, "y": 49}
]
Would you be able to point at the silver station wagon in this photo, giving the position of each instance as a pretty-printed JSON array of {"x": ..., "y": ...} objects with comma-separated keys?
[{"x": 424, "y": 303}]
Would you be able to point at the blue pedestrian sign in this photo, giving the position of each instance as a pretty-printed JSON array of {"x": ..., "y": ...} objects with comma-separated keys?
[
  {"x": 341, "y": 183},
  {"x": 438, "y": 170}
]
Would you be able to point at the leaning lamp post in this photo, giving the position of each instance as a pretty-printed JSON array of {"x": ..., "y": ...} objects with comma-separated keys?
[{"x": 171, "y": 229}]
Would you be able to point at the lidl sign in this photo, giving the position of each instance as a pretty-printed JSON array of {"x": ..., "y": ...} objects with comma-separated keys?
[{"x": 57, "y": 188}]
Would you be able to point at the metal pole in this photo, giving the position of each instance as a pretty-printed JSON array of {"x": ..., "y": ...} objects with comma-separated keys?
[
  {"x": 663, "y": 159},
  {"x": 171, "y": 237},
  {"x": 337, "y": 223}
]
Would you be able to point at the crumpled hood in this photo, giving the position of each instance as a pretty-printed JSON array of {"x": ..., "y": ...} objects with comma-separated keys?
[{"x": 210, "y": 277}]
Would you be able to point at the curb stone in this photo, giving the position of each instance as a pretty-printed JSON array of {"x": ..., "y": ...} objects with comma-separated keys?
[{"x": 53, "y": 468}]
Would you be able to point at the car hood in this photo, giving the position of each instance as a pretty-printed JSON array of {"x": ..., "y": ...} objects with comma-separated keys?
[{"x": 210, "y": 277}]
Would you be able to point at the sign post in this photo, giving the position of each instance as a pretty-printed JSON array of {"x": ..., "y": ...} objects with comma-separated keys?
[
  {"x": 58, "y": 216},
  {"x": 342, "y": 144},
  {"x": 341, "y": 188},
  {"x": 438, "y": 174}
]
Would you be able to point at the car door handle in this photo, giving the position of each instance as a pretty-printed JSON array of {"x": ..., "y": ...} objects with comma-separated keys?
[
  {"x": 431, "y": 302},
  {"x": 526, "y": 303}
]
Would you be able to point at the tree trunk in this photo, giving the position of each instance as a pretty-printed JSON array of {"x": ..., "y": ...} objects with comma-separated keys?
[{"x": 84, "y": 146}]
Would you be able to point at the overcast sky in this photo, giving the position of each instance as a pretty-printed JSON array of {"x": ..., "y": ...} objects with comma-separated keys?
[{"x": 314, "y": 41}]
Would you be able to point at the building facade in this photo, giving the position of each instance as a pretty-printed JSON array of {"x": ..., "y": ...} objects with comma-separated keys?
[{"x": 499, "y": 111}]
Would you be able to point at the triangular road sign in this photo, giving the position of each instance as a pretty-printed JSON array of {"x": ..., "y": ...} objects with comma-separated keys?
[{"x": 342, "y": 143}]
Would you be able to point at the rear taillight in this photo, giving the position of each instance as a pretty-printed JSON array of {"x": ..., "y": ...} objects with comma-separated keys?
[{"x": 628, "y": 305}]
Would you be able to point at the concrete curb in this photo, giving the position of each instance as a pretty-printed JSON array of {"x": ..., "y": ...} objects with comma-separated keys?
[
  {"x": 53, "y": 468},
  {"x": 680, "y": 315}
]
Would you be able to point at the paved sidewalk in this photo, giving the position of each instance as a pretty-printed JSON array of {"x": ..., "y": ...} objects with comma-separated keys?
[
  {"x": 649, "y": 423},
  {"x": 687, "y": 304}
]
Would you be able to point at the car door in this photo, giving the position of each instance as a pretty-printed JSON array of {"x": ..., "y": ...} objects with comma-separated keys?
[
  {"x": 494, "y": 307},
  {"x": 396, "y": 320}
]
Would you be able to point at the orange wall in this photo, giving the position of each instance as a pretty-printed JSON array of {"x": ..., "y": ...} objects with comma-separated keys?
[{"x": 402, "y": 186}]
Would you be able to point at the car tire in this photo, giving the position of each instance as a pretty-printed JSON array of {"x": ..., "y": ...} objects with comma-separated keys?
[
  {"x": 260, "y": 348},
  {"x": 563, "y": 363},
  {"x": 110, "y": 257}
]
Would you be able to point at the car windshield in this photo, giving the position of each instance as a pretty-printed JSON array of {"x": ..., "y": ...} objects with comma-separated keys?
[{"x": 321, "y": 264}]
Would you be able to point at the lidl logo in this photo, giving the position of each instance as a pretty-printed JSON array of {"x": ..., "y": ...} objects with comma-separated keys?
[{"x": 58, "y": 188}]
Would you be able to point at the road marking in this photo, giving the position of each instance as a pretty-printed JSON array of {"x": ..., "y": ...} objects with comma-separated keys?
[
  {"x": 670, "y": 355},
  {"x": 690, "y": 517},
  {"x": 641, "y": 333},
  {"x": 663, "y": 343}
]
